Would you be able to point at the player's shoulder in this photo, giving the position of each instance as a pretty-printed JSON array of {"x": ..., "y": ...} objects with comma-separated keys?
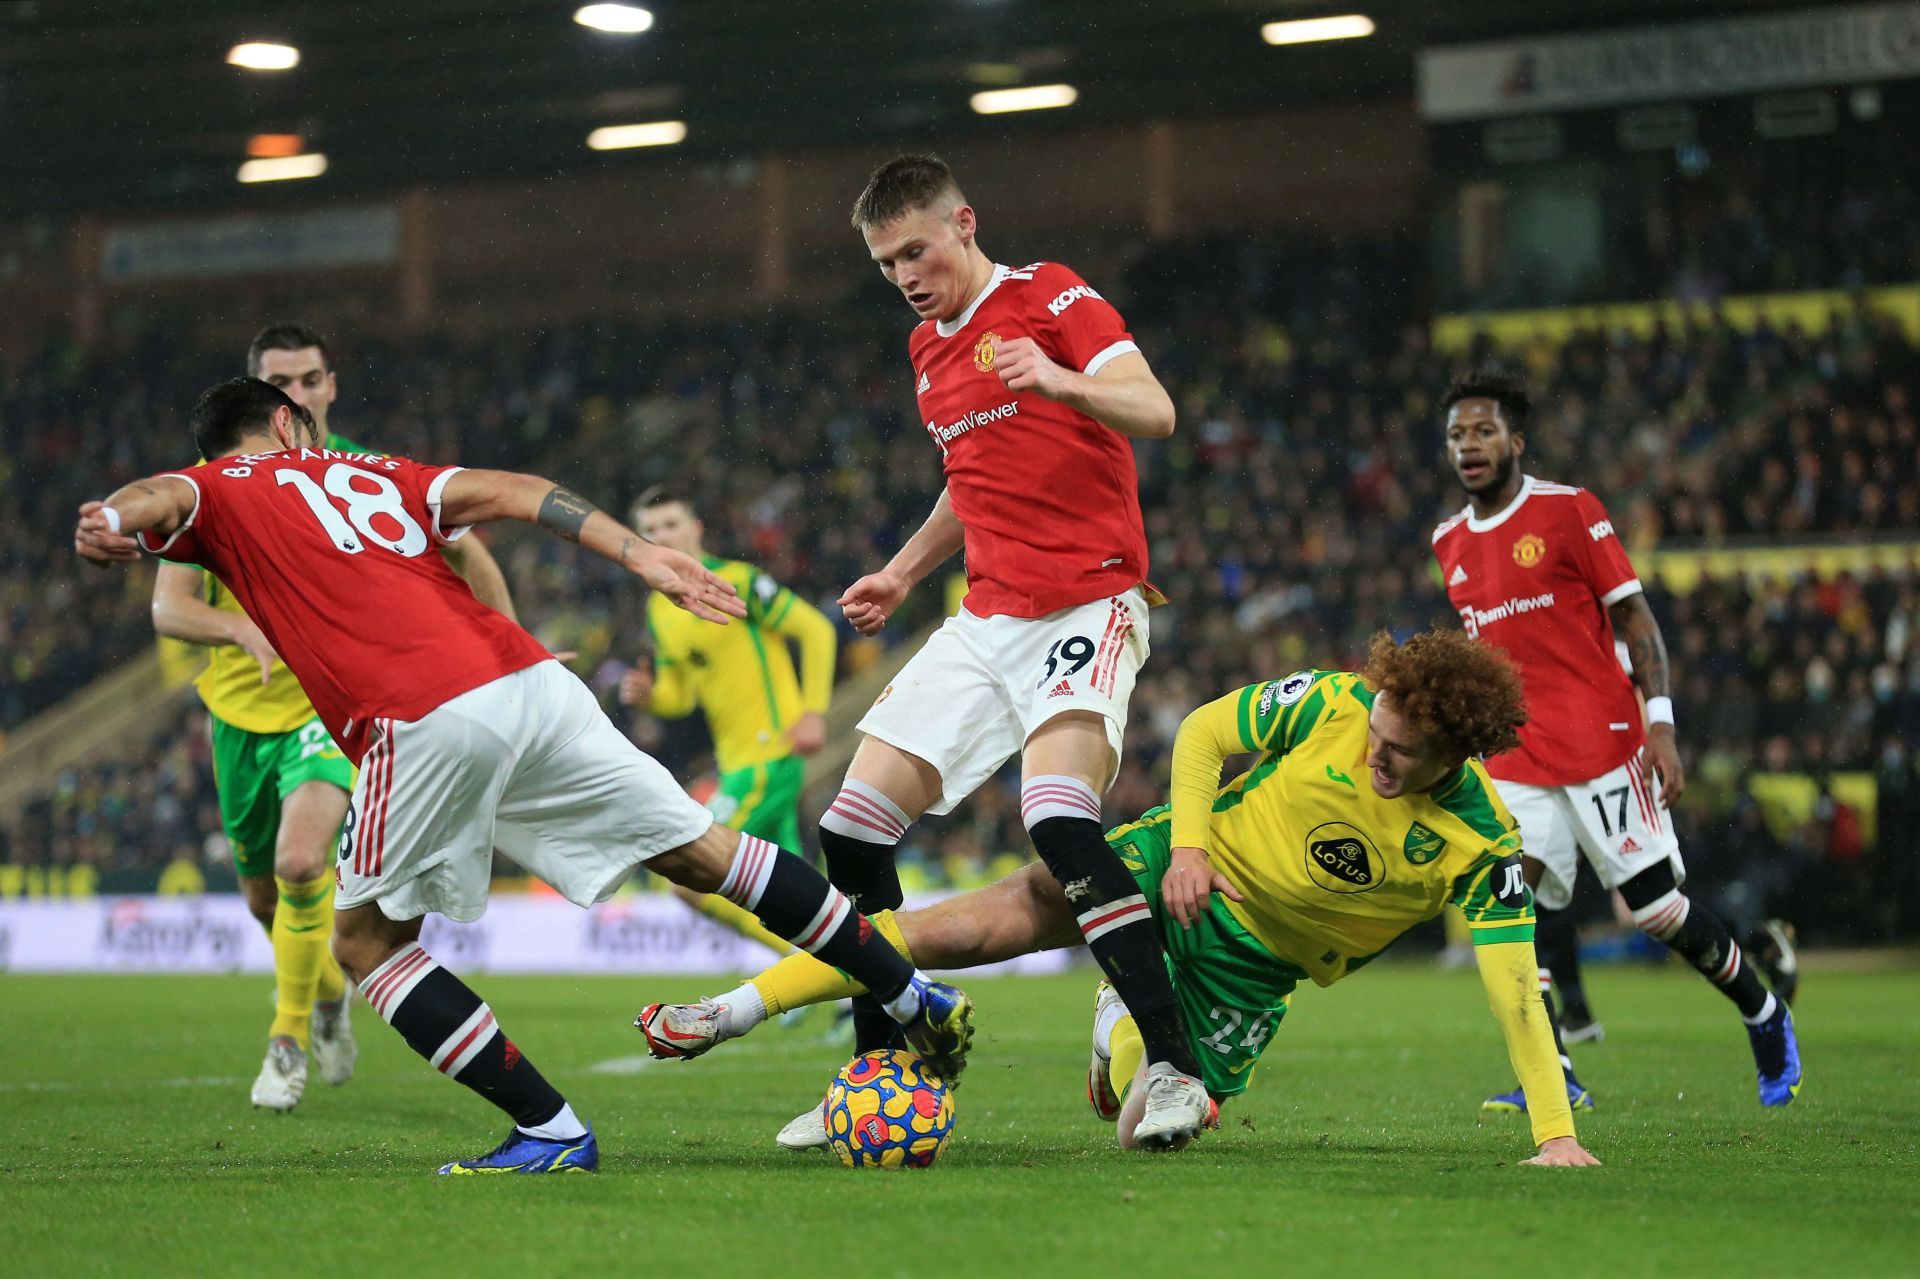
[
  {"x": 1471, "y": 799},
  {"x": 1451, "y": 523},
  {"x": 1559, "y": 498}
]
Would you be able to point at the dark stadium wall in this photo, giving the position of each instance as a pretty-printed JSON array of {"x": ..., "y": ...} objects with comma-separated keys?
[{"x": 698, "y": 236}]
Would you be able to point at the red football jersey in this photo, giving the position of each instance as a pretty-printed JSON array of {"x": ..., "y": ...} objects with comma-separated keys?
[
  {"x": 1536, "y": 580},
  {"x": 1048, "y": 497},
  {"x": 333, "y": 555}
]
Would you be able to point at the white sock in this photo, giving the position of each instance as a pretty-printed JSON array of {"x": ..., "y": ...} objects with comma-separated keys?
[
  {"x": 905, "y": 1006},
  {"x": 1766, "y": 1010},
  {"x": 745, "y": 1009},
  {"x": 564, "y": 1126}
]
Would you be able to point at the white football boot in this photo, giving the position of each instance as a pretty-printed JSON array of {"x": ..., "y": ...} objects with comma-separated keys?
[
  {"x": 283, "y": 1076},
  {"x": 806, "y": 1131},
  {"x": 1177, "y": 1109},
  {"x": 334, "y": 1048},
  {"x": 1107, "y": 1009}
]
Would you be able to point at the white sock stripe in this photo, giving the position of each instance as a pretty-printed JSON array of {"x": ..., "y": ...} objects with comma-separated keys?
[
  {"x": 833, "y": 912},
  {"x": 1101, "y": 920},
  {"x": 752, "y": 867},
  {"x": 461, "y": 1038},
  {"x": 1546, "y": 980},
  {"x": 1731, "y": 967},
  {"x": 389, "y": 985},
  {"x": 1057, "y": 796},
  {"x": 466, "y": 1043},
  {"x": 877, "y": 799},
  {"x": 872, "y": 819},
  {"x": 1662, "y": 916}
]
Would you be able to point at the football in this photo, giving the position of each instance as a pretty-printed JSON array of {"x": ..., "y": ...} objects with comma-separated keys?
[{"x": 885, "y": 1110}]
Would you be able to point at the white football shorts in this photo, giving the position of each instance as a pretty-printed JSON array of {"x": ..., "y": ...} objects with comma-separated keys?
[
  {"x": 526, "y": 763},
  {"x": 968, "y": 701},
  {"x": 1615, "y": 819}
]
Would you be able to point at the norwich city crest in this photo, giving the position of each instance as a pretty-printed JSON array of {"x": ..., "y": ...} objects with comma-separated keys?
[{"x": 1423, "y": 845}]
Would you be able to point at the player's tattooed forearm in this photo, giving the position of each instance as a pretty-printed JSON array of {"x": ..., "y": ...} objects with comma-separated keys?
[
  {"x": 1649, "y": 657},
  {"x": 627, "y": 543},
  {"x": 565, "y": 513}
]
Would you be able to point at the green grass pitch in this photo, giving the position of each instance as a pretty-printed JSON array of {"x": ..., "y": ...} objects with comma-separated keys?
[{"x": 129, "y": 1147}]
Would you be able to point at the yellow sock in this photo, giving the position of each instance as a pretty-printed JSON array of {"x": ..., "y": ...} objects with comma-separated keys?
[
  {"x": 332, "y": 986},
  {"x": 740, "y": 920},
  {"x": 1128, "y": 1050},
  {"x": 800, "y": 979},
  {"x": 302, "y": 929}
]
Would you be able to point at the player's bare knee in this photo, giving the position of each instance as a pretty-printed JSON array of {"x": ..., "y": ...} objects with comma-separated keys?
[{"x": 701, "y": 865}]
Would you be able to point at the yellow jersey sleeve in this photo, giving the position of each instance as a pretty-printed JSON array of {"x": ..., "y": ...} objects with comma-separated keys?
[
  {"x": 1274, "y": 716},
  {"x": 674, "y": 694},
  {"x": 1511, "y": 975},
  {"x": 792, "y": 618}
]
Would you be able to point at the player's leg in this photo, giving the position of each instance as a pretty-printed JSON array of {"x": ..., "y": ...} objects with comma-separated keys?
[
  {"x": 244, "y": 766},
  {"x": 1629, "y": 839},
  {"x": 587, "y": 807},
  {"x": 419, "y": 838},
  {"x": 1017, "y": 915},
  {"x": 759, "y": 800},
  {"x": 314, "y": 781}
]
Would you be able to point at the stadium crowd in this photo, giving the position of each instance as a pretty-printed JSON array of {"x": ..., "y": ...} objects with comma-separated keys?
[{"x": 1288, "y": 517}]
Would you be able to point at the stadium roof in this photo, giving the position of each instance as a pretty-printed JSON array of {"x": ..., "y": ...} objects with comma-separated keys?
[{"x": 131, "y": 104}]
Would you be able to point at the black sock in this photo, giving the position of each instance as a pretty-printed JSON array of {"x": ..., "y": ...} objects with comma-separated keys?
[
  {"x": 865, "y": 872},
  {"x": 1118, "y": 925},
  {"x": 1696, "y": 934},
  {"x": 1556, "y": 942},
  {"x": 445, "y": 1022},
  {"x": 795, "y": 901}
]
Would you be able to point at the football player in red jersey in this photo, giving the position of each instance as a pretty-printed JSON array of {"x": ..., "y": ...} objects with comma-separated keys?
[
  {"x": 469, "y": 736},
  {"x": 1032, "y": 390},
  {"x": 1537, "y": 569}
]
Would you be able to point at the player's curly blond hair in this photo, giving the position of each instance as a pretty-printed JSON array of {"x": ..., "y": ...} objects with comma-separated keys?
[{"x": 1450, "y": 687}]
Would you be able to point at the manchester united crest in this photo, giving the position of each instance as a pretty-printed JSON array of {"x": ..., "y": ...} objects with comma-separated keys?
[
  {"x": 983, "y": 351},
  {"x": 1529, "y": 550}
]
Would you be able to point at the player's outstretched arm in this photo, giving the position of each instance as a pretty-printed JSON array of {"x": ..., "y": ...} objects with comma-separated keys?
[
  {"x": 480, "y": 497},
  {"x": 1124, "y": 396},
  {"x": 180, "y": 613},
  {"x": 105, "y": 532},
  {"x": 1635, "y": 624},
  {"x": 810, "y": 630},
  {"x": 1206, "y": 738},
  {"x": 1511, "y": 975},
  {"x": 869, "y": 602}
]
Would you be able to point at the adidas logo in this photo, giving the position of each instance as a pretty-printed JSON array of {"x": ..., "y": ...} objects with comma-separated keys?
[
  {"x": 1629, "y": 846},
  {"x": 1459, "y": 575},
  {"x": 924, "y": 386},
  {"x": 1062, "y": 689}
]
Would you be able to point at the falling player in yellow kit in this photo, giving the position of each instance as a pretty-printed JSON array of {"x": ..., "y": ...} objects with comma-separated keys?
[
  {"x": 1366, "y": 811},
  {"x": 283, "y": 783},
  {"x": 764, "y": 720}
]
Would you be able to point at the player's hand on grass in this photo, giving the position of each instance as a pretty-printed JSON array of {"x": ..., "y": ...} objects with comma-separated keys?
[
  {"x": 808, "y": 734},
  {"x": 259, "y": 648},
  {"x": 686, "y": 581},
  {"x": 95, "y": 541},
  {"x": 1022, "y": 366},
  {"x": 636, "y": 686},
  {"x": 1662, "y": 757},
  {"x": 1562, "y": 1152},
  {"x": 869, "y": 602},
  {"x": 1189, "y": 882}
]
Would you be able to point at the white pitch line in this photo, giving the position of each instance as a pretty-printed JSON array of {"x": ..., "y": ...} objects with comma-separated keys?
[{"x": 70, "y": 1085}]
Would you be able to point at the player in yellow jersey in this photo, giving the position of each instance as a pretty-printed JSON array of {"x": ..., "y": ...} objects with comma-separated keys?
[
  {"x": 283, "y": 783},
  {"x": 764, "y": 719},
  {"x": 1365, "y": 812}
]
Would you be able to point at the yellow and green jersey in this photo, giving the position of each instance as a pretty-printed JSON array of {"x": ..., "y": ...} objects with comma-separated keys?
[
  {"x": 1332, "y": 873},
  {"x": 742, "y": 675},
  {"x": 230, "y": 685}
]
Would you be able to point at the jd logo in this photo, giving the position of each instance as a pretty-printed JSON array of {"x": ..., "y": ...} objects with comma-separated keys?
[
  {"x": 1342, "y": 860},
  {"x": 1423, "y": 845}
]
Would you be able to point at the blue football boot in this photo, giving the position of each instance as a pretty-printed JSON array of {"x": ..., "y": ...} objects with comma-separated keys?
[
  {"x": 521, "y": 1153},
  {"x": 1776, "y": 1057},
  {"x": 1515, "y": 1102},
  {"x": 942, "y": 1031}
]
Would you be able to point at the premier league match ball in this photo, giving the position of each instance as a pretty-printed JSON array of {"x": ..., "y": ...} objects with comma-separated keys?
[{"x": 885, "y": 1110}]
